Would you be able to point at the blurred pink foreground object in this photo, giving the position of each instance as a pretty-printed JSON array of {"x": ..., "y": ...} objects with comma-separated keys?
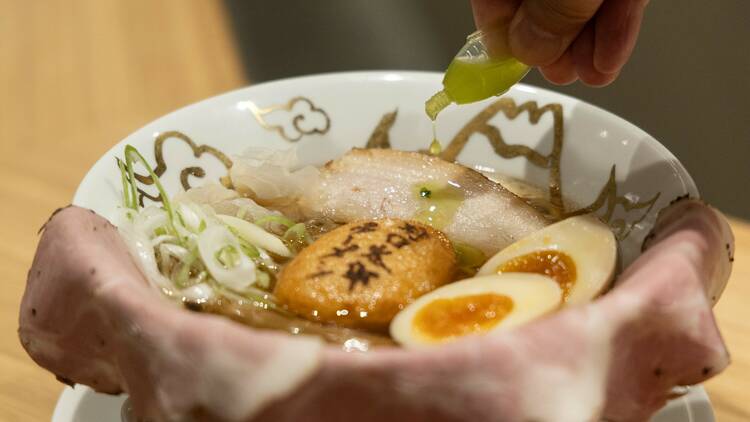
[{"x": 89, "y": 316}]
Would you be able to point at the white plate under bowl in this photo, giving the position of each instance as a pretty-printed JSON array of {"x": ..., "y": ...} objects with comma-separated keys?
[
  {"x": 599, "y": 161},
  {"x": 81, "y": 404}
]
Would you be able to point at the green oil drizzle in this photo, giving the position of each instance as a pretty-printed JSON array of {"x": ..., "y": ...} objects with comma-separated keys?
[
  {"x": 437, "y": 203},
  {"x": 435, "y": 147}
]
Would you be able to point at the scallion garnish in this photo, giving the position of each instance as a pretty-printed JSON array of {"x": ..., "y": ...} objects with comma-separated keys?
[
  {"x": 131, "y": 156},
  {"x": 278, "y": 219},
  {"x": 228, "y": 256}
]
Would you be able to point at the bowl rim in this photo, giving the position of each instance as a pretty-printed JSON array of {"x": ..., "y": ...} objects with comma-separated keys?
[{"x": 401, "y": 75}]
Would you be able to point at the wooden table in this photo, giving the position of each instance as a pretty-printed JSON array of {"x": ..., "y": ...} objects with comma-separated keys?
[{"x": 77, "y": 76}]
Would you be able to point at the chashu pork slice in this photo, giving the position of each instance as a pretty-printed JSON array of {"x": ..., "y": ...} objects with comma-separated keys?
[{"x": 378, "y": 183}]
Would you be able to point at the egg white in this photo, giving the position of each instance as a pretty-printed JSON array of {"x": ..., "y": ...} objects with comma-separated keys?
[
  {"x": 585, "y": 239},
  {"x": 533, "y": 295}
]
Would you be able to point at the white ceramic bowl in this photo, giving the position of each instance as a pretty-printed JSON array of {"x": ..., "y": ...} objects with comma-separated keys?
[
  {"x": 603, "y": 160},
  {"x": 599, "y": 161}
]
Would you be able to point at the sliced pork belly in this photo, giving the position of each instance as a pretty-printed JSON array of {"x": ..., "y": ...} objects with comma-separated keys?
[
  {"x": 89, "y": 317},
  {"x": 376, "y": 183}
]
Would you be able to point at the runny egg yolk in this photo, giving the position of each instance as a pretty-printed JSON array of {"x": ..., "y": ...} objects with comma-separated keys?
[
  {"x": 447, "y": 318},
  {"x": 554, "y": 264}
]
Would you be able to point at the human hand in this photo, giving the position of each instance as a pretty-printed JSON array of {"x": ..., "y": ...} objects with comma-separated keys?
[{"x": 568, "y": 40}]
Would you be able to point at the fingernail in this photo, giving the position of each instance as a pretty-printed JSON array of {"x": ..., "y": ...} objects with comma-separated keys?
[{"x": 532, "y": 44}]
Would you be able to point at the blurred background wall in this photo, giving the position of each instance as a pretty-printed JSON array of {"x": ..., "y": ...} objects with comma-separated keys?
[{"x": 687, "y": 84}]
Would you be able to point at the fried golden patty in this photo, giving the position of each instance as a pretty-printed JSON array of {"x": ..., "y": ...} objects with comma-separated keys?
[{"x": 363, "y": 273}]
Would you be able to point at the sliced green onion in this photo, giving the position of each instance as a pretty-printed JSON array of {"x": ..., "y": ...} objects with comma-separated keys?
[
  {"x": 468, "y": 257},
  {"x": 184, "y": 274},
  {"x": 228, "y": 256},
  {"x": 219, "y": 250},
  {"x": 125, "y": 186},
  {"x": 132, "y": 155},
  {"x": 299, "y": 231},
  {"x": 131, "y": 177},
  {"x": 248, "y": 249},
  {"x": 263, "y": 280},
  {"x": 255, "y": 235},
  {"x": 279, "y": 219},
  {"x": 201, "y": 277},
  {"x": 251, "y": 293},
  {"x": 180, "y": 218}
]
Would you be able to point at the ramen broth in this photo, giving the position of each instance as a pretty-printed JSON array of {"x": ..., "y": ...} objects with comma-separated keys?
[{"x": 258, "y": 314}]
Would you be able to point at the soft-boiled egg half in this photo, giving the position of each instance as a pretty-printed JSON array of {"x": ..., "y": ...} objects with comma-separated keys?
[
  {"x": 475, "y": 306},
  {"x": 580, "y": 253}
]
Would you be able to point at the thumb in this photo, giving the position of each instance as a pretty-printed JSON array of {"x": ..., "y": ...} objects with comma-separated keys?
[{"x": 542, "y": 30}]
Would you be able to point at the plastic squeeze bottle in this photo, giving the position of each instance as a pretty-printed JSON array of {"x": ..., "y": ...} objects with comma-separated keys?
[{"x": 483, "y": 68}]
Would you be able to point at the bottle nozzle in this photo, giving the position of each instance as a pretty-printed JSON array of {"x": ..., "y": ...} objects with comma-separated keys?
[{"x": 436, "y": 104}]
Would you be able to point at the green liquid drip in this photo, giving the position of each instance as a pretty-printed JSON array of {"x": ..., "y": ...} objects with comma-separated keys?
[
  {"x": 437, "y": 203},
  {"x": 435, "y": 147}
]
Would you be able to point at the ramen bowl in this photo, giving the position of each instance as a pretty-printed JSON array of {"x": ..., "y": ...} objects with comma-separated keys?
[{"x": 584, "y": 159}]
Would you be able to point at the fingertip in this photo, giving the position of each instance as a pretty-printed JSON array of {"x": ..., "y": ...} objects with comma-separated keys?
[
  {"x": 582, "y": 52},
  {"x": 542, "y": 30},
  {"x": 562, "y": 71},
  {"x": 597, "y": 79},
  {"x": 556, "y": 79},
  {"x": 531, "y": 44},
  {"x": 606, "y": 64},
  {"x": 617, "y": 27}
]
